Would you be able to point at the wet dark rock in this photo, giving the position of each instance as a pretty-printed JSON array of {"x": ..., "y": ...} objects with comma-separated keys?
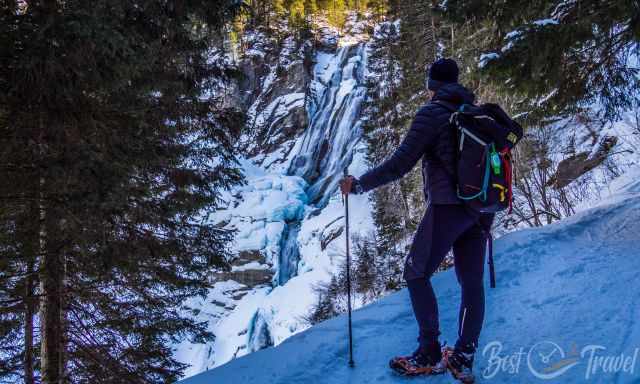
[
  {"x": 327, "y": 40},
  {"x": 278, "y": 128},
  {"x": 577, "y": 165},
  {"x": 249, "y": 277},
  {"x": 218, "y": 303},
  {"x": 314, "y": 213},
  {"x": 329, "y": 235},
  {"x": 245, "y": 257},
  {"x": 239, "y": 295},
  {"x": 222, "y": 224},
  {"x": 273, "y": 70}
]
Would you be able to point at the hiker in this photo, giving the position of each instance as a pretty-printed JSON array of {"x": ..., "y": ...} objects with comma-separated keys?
[{"x": 447, "y": 224}]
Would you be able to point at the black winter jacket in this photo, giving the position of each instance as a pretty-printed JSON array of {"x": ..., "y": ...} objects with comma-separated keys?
[{"x": 432, "y": 139}]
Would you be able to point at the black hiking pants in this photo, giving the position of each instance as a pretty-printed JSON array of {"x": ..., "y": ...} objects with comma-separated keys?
[{"x": 445, "y": 227}]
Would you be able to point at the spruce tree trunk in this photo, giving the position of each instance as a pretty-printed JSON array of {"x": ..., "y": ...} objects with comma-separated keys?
[
  {"x": 50, "y": 268},
  {"x": 30, "y": 302},
  {"x": 28, "y": 326},
  {"x": 51, "y": 315},
  {"x": 431, "y": 40},
  {"x": 51, "y": 278}
]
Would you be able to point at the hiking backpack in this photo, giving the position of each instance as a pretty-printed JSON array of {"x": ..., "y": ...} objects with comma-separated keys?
[{"x": 485, "y": 136}]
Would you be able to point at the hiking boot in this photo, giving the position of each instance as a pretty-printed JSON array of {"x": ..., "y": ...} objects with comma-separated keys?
[
  {"x": 459, "y": 361},
  {"x": 420, "y": 363}
]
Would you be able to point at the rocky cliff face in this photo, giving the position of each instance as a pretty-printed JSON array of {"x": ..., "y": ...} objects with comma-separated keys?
[{"x": 274, "y": 90}]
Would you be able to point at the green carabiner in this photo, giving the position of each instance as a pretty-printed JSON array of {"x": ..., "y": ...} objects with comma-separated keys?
[{"x": 495, "y": 161}]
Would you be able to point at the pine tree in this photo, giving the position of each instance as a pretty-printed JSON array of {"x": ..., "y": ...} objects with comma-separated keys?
[
  {"x": 365, "y": 269},
  {"x": 310, "y": 7},
  {"x": 394, "y": 96},
  {"x": 325, "y": 308},
  {"x": 115, "y": 154},
  {"x": 559, "y": 56}
]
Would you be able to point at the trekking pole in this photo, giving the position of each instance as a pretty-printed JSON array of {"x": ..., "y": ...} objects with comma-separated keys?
[
  {"x": 346, "y": 215},
  {"x": 492, "y": 269}
]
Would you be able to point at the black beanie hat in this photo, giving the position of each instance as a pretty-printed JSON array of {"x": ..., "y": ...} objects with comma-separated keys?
[{"x": 442, "y": 71}]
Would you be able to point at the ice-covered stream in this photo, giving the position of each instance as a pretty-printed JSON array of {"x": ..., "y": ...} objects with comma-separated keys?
[{"x": 289, "y": 253}]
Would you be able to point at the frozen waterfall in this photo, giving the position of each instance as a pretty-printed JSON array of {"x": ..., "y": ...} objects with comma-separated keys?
[
  {"x": 289, "y": 219},
  {"x": 327, "y": 145},
  {"x": 326, "y": 148}
]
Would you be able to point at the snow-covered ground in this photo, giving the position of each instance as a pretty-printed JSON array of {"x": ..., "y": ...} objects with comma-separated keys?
[{"x": 564, "y": 311}]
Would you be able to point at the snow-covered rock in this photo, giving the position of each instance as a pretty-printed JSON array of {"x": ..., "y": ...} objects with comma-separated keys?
[{"x": 273, "y": 86}]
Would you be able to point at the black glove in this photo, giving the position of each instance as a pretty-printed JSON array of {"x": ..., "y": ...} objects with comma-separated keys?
[{"x": 350, "y": 184}]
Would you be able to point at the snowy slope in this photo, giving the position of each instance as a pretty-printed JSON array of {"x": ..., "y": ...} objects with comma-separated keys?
[{"x": 567, "y": 297}]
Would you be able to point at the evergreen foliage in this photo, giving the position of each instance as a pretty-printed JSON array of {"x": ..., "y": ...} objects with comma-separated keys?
[
  {"x": 559, "y": 56},
  {"x": 300, "y": 13},
  {"x": 373, "y": 274},
  {"x": 552, "y": 58},
  {"x": 115, "y": 153},
  {"x": 400, "y": 53}
]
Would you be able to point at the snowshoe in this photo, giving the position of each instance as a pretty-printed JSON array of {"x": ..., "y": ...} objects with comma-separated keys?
[
  {"x": 460, "y": 364},
  {"x": 418, "y": 364}
]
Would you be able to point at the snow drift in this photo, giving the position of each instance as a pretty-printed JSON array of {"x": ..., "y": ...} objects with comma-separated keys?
[{"x": 564, "y": 311}]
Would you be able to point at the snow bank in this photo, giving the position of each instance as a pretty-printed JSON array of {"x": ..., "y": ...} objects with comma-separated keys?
[
  {"x": 565, "y": 309},
  {"x": 485, "y": 58},
  {"x": 544, "y": 22}
]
